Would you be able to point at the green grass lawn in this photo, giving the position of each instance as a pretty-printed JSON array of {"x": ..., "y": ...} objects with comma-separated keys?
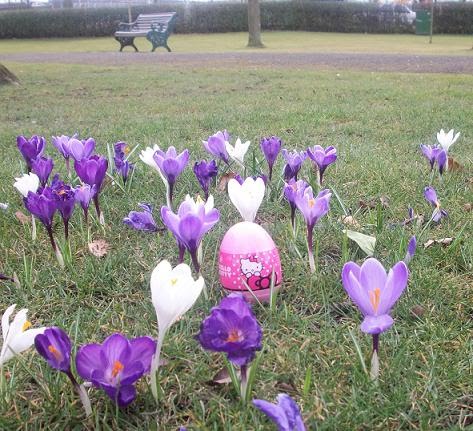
[
  {"x": 274, "y": 41},
  {"x": 376, "y": 121}
]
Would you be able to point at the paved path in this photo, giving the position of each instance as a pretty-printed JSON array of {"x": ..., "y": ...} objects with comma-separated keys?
[{"x": 366, "y": 62}]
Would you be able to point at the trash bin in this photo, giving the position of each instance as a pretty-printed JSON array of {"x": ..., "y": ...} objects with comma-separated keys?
[{"x": 423, "y": 22}]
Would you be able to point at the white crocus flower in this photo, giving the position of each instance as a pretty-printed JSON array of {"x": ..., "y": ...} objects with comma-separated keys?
[
  {"x": 27, "y": 183},
  {"x": 173, "y": 293},
  {"x": 208, "y": 205},
  {"x": 247, "y": 197},
  {"x": 17, "y": 337},
  {"x": 146, "y": 156},
  {"x": 446, "y": 140},
  {"x": 238, "y": 151}
]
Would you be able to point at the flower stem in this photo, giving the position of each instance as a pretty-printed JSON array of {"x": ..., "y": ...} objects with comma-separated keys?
[
  {"x": 97, "y": 209},
  {"x": 55, "y": 247},
  {"x": 243, "y": 383},
  {"x": 293, "y": 219},
  {"x": 195, "y": 261},
  {"x": 33, "y": 228},
  {"x": 155, "y": 365},
  {"x": 66, "y": 229},
  {"x": 86, "y": 216},
  {"x": 182, "y": 251},
  {"x": 319, "y": 178},
  {"x": 68, "y": 167},
  {"x": 310, "y": 248},
  {"x": 375, "y": 342},
  {"x": 84, "y": 397},
  {"x": 169, "y": 192},
  {"x": 374, "y": 373}
]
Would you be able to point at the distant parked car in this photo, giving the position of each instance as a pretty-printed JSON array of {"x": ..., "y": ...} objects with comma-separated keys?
[{"x": 399, "y": 11}]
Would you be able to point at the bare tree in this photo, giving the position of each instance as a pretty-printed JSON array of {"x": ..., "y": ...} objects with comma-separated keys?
[{"x": 254, "y": 24}]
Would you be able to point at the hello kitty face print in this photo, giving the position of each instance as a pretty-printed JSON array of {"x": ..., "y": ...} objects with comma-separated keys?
[{"x": 250, "y": 268}]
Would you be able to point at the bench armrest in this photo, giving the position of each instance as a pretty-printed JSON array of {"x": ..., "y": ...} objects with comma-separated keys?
[{"x": 125, "y": 25}]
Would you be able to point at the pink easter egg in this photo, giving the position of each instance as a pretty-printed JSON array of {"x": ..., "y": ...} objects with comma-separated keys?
[{"x": 248, "y": 257}]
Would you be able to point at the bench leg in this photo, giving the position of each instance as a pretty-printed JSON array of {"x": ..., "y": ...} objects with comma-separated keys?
[
  {"x": 126, "y": 41},
  {"x": 167, "y": 47}
]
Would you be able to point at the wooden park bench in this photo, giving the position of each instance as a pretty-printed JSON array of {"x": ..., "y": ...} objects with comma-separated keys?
[{"x": 155, "y": 27}]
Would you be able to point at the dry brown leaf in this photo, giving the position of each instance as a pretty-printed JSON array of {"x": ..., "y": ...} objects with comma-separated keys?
[
  {"x": 22, "y": 217},
  {"x": 443, "y": 241},
  {"x": 222, "y": 377},
  {"x": 453, "y": 165},
  {"x": 99, "y": 247},
  {"x": 468, "y": 207},
  {"x": 349, "y": 221},
  {"x": 384, "y": 201},
  {"x": 224, "y": 179},
  {"x": 417, "y": 311},
  {"x": 371, "y": 204}
]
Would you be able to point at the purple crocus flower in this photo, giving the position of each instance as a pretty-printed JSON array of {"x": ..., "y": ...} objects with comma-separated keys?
[
  {"x": 54, "y": 345},
  {"x": 291, "y": 190},
  {"x": 122, "y": 166},
  {"x": 171, "y": 165},
  {"x": 80, "y": 150},
  {"x": 83, "y": 195},
  {"x": 313, "y": 209},
  {"x": 294, "y": 160},
  {"x": 411, "y": 249},
  {"x": 31, "y": 148},
  {"x": 374, "y": 292},
  {"x": 204, "y": 173},
  {"x": 62, "y": 145},
  {"x": 430, "y": 153},
  {"x": 142, "y": 220},
  {"x": 116, "y": 365},
  {"x": 322, "y": 158},
  {"x": 271, "y": 147},
  {"x": 233, "y": 329},
  {"x": 215, "y": 145},
  {"x": 431, "y": 195},
  {"x": 442, "y": 161},
  {"x": 192, "y": 221},
  {"x": 64, "y": 195},
  {"x": 92, "y": 171},
  {"x": 43, "y": 206},
  {"x": 285, "y": 414},
  {"x": 42, "y": 167}
]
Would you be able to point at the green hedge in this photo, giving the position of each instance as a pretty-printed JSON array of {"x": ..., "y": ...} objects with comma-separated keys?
[{"x": 228, "y": 17}]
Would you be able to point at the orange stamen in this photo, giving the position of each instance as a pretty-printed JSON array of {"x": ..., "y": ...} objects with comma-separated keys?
[
  {"x": 26, "y": 325},
  {"x": 375, "y": 296},
  {"x": 126, "y": 150},
  {"x": 311, "y": 203},
  {"x": 117, "y": 367},
  {"x": 234, "y": 336},
  {"x": 56, "y": 353}
]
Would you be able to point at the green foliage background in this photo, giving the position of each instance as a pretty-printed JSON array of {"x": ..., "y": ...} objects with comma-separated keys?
[{"x": 230, "y": 17}]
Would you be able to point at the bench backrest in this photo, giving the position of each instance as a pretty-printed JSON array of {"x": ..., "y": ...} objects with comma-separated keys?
[{"x": 144, "y": 22}]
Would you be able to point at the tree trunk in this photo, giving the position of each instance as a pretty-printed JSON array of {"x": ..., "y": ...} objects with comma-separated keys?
[
  {"x": 6, "y": 77},
  {"x": 254, "y": 24}
]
